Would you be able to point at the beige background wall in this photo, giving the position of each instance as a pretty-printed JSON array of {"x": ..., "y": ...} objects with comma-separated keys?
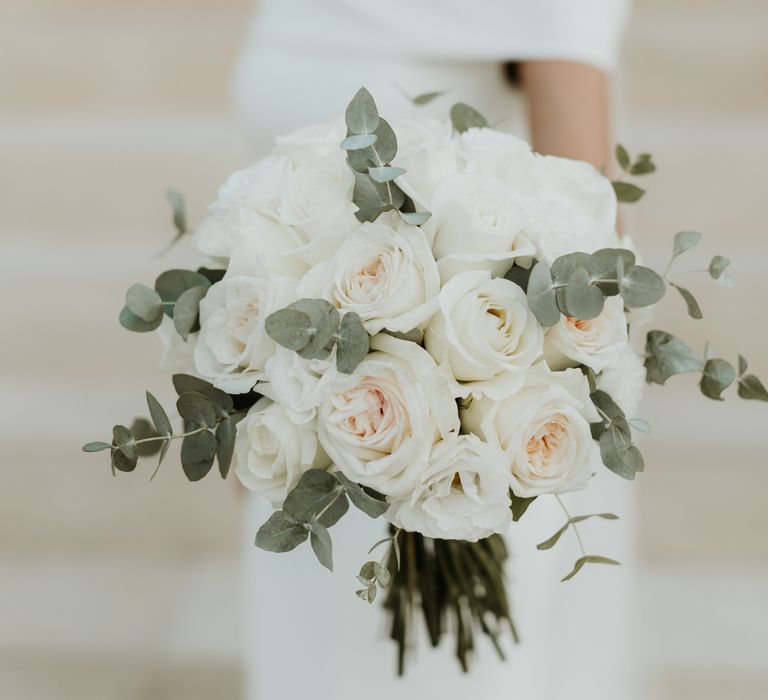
[{"x": 112, "y": 588}]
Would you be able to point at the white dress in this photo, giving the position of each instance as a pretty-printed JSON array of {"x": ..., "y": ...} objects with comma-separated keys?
[{"x": 307, "y": 635}]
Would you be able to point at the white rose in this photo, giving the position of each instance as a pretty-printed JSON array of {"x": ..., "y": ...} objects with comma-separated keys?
[
  {"x": 247, "y": 197},
  {"x": 499, "y": 154},
  {"x": 485, "y": 333},
  {"x": 624, "y": 380},
  {"x": 296, "y": 383},
  {"x": 543, "y": 430},
  {"x": 575, "y": 208},
  {"x": 379, "y": 423},
  {"x": 317, "y": 198},
  {"x": 476, "y": 224},
  {"x": 387, "y": 276},
  {"x": 463, "y": 494},
  {"x": 595, "y": 343},
  {"x": 427, "y": 151},
  {"x": 272, "y": 452},
  {"x": 308, "y": 142},
  {"x": 233, "y": 346}
]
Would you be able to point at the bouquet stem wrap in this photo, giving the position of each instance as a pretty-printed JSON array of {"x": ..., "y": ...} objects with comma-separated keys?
[{"x": 458, "y": 586}]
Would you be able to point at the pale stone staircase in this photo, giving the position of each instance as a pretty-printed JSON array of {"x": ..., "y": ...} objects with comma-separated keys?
[{"x": 117, "y": 589}]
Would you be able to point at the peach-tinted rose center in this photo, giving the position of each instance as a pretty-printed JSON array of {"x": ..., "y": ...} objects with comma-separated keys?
[
  {"x": 546, "y": 442},
  {"x": 369, "y": 276},
  {"x": 374, "y": 415},
  {"x": 578, "y": 324}
]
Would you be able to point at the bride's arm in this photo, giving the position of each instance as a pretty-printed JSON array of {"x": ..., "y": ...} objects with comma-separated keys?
[{"x": 569, "y": 109}]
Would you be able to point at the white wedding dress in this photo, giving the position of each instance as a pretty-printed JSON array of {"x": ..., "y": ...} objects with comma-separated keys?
[{"x": 307, "y": 635}]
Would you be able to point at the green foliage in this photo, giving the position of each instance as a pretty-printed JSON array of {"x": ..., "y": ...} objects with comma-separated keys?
[
  {"x": 221, "y": 401},
  {"x": 144, "y": 302},
  {"x": 171, "y": 284},
  {"x": 187, "y": 310},
  {"x": 362, "y": 116},
  {"x": 622, "y": 157},
  {"x": 541, "y": 295},
  {"x": 362, "y": 499},
  {"x": 179, "y": 209},
  {"x": 142, "y": 430},
  {"x": 385, "y": 173},
  {"x": 750, "y": 387},
  {"x": 627, "y": 192},
  {"x": 198, "y": 450},
  {"x": 614, "y": 435},
  {"x": 314, "y": 497},
  {"x": 666, "y": 355},
  {"x": 281, "y": 533},
  {"x": 694, "y": 310},
  {"x": 197, "y": 409},
  {"x": 426, "y": 97},
  {"x": 519, "y": 505},
  {"x": 124, "y": 456},
  {"x": 588, "y": 559},
  {"x": 464, "y": 117},
  {"x": 225, "y": 444},
  {"x": 96, "y": 446},
  {"x": 684, "y": 240},
  {"x": 322, "y": 545},
  {"x": 372, "y": 574},
  {"x": 553, "y": 540},
  {"x": 716, "y": 377},
  {"x": 640, "y": 286},
  {"x": 583, "y": 299},
  {"x": 311, "y": 328},
  {"x": 132, "y": 322}
]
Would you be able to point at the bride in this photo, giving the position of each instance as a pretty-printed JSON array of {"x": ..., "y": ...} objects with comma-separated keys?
[{"x": 538, "y": 68}]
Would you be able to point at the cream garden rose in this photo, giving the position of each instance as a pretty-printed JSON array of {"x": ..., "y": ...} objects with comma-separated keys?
[
  {"x": 379, "y": 423},
  {"x": 596, "y": 343},
  {"x": 485, "y": 333},
  {"x": 476, "y": 224},
  {"x": 543, "y": 430},
  {"x": 462, "y": 494},
  {"x": 386, "y": 275},
  {"x": 233, "y": 347},
  {"x": 272, "y": 451}
]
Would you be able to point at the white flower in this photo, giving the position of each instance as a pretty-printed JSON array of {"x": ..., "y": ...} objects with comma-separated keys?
[
  {"x": 387, "y": 276},
  {"x": 543, "y": 429},
  {"x": 272, "y": 452},
  {"x": 476, "y": 224},
  {"x": 296, "y": 383},
  {"x": 575, "y": 209},
  {"x": 233, "y": 346},
  {"x": 624, "y": 380},
  {"x": 463, "y": 494},
  {"x": 427, "y": 151},
  {"x": 485, "y": 333},
  {"x": 595, "y": 343},
  {"x": 379, "y": 423},
  {"x": 499, "y": 154},
  {"x": 309, "y": 142}
]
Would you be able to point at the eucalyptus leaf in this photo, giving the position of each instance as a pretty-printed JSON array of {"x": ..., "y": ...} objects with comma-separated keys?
[
  {"x": 588, "y": 559},
  {"x": 132, "y": 322},
  {"x": 426, "y": 97},
  {"x": 464, "y": 117},
  {"x": 213, "y": 275},
  {"x": 621, "y": 458},
  {"x": 667, "y": 356},
  {"x": 362, "y": 117},
  {"x": 583, "y": 300},
  {"x": 627, "y": 192},
  {"x": 684, "y": 240},
  {"x": 316, "y": 491},
  {"x": 358, "y": 142},
  {"x": 519, "y": 505},
  {"x": 643, "y": 165},
  {"x": 742, "y": 365},
  {"x": 716, "y": 377},
  {"x": 373, "y": 507},
  {"x": 96, "y": 446},
  {"x": 291, "y": 328},
  {"x": 694, "y": 310},
  {"x": 415, "y": 218},
  {"x": 197, "y": 454},
  {"x": 352, "y": 343},
  {"x": 385, "y": 173},
  {"x": 750, "y": 387},
  {"x": 225, "y": 445},
  {"x": 144, "y": 303},
  {"x": 196, "y": 408},
  {"x": 381, "y": 573},
  {"x": 188, "y": 382},
  {"x": 159, "y": 416},
  {"x": 325, "y": 323},
  {"x": 605, "y": 403},
  {"x": 606, "y": 267},
  {"x": 124, "y": 456},
  {"x": 564, "y": 266},
  {"x": 718, "y": 265},
  {"x": 541, "y": 295},
  {"x": 640, "y": 286},
  {"x": 640, "y": 424},
  {"x": 187, "y": 310},
  {"x": 171, "y": 284},
  {"x": 415, "y": 335},
  {"x": 141, "y": 429},
  {"x": 281, "y": 533},
  {"x": 372, "y": 198},
  {"x": 622, "y": 157},
  {"x": 179, "y": 208},
  {"x": 322, "y": 546}
]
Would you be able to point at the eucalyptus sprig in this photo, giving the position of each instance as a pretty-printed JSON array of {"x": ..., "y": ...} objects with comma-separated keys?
[
  {"x": 177, "y": 294},
  {"x": 371, "y": 146},
  {"x": 577, "y": 284},
  {"x": 312, "y": 327},
  {"x": 319, "y": 500},
  {"x": 571, "y": 522},
  {"x": 179, "y": 209},
  {"x": 210, "y": 420},
  {"x": 626, "y": 191},
  {"x": 614, "y": 435},
  {"x": 375, "y": 575}
]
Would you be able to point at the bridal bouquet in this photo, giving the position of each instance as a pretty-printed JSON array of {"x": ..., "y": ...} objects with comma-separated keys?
[{"x": 426, "y": 320}]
